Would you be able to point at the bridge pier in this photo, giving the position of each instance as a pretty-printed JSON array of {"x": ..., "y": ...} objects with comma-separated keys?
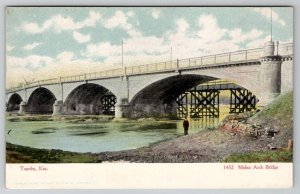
[
  {"x": 22, "y": 109},
  {"x": 122, "y": 108},
  {"x": 270, "y": 75},
  {"x": 172, "y": 111},
  {"x": 58, "y": 107}
]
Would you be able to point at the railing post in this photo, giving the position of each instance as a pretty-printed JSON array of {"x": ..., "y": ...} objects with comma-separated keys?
[
  {"x": 165, "y": 65},
  {"x": 229, "y": 56},
  {"x": 246, "y": 55},
  {"x": 60, "y": 79},
  {"x": 85, "y": 77},
  {"x": 177, "y": 64},
  {"x": 125, "y": 71},
  {"x": 189, "y": 62}
]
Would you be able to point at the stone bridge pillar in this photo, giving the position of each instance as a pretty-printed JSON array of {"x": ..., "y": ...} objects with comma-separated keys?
[
  {"x": 22, "y": 109},
  {"x": 122, "y": 108},
  {"x": 58, "y": 107},
  {"x": 171, "y": 109},
  {"x": 269, "y": 75}
]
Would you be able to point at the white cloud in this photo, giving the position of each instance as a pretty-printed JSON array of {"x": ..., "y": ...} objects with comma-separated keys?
[
  {"x": 31, "y": 62},
  {"x": 59, "y": 23},
  {"x": 117, "y": 20},
  {"x": 102, "y": 49},
  {"x": 35, "y": 67},
  {"x": 133, "y": 47},
  {"x": 130, "y": 13},
  {"x": 266, "y": 12},
  {"x": 156, "y": 13},
  {"x": 182, "y": 25},
  {"x": 31, "y": 46},
  {"x": 239, "y": 37},
  {"x": 256, "y": 43},
  {"x": 120, "y": 20},
  {"x": 65, "y": 57},
  {"x": 80, "y": 38},
  {"x": 9, "y": 47},
  {"x": 210, "y": 30},
  {"x": 208, "y": 39},
  {"x": 34, "y": 28}
]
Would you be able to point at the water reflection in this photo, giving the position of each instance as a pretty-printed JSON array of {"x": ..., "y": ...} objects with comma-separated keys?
[{"x": 204, "y": 123}]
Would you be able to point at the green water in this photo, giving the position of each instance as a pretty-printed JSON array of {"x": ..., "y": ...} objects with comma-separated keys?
[{"x": 97, "y": 137}]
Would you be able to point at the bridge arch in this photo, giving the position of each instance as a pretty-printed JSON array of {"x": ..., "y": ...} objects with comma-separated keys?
[
  {"x": 90, "y": 98},
  {"x": 158, "y": 97},
  {"x": 14, "y": 102},
  {"x": 40, "y": 101}
]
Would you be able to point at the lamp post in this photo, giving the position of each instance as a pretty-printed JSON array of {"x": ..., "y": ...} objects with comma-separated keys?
[{"x": 122, "y": 55}]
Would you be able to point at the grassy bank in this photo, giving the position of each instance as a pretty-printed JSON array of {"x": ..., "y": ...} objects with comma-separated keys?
[
  {"x": 67, "y": 118},
  {"x": 266, "y": 156},
  {"x": 23, "y": 154},
  {"x": 281, "y": 108},
  {"x": 279, "y": 116}
]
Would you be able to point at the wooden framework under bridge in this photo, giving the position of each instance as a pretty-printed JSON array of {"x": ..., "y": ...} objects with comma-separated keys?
[
  {"x": 204, "y": 104},
  {"x": 204, "y": 100},
  {"x": 182, "y": 102},
  {"x": 108, "y": 102},
  {"x": 241, "y": 100}
]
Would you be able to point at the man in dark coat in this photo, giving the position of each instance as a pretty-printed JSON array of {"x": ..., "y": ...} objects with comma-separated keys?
[{"x": 186, "y": 125}]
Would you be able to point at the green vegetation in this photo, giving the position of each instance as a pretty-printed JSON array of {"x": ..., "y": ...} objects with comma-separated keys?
[
  {"x": 68, "y": 118},
  {"x": 44, "y": 130},
  {"x": 22, "y": 154},
  {"x": 281, "y": 108},
  {"x": 266, "y": 156},
  {"x": 278, "y": 115}
]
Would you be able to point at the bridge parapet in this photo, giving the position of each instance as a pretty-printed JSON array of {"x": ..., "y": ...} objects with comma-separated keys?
[{"x": 286, "y": 49}]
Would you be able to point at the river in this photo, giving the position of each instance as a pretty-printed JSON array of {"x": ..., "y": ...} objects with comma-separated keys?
[{"x": 97, "y": 137}]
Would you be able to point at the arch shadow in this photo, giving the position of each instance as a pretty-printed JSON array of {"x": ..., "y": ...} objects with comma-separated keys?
[
  {"x": 40, "y": 101},
  {"x": 90, "y": 99},
  {"x": 13, "y": 103}
]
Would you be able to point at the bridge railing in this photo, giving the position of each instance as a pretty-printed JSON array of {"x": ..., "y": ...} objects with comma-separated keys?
[
  {"x": 243, "y": 55},
  {"x": 230, "y": 57}
]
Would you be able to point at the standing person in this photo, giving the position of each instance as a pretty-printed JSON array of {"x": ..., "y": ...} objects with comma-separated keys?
[{"x": 186, "y": 125}]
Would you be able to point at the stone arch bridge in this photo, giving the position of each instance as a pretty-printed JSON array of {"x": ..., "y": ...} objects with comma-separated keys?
[{"x": 151, "y": 89}]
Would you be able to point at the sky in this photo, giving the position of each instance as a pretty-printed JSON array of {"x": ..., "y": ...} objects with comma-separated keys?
[{"x": 48, "y": 42}]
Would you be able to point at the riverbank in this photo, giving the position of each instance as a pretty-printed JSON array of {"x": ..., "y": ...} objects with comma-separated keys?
[
  {"x": 205, "y": 146},
  {"x": 263, "y": 136}
]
